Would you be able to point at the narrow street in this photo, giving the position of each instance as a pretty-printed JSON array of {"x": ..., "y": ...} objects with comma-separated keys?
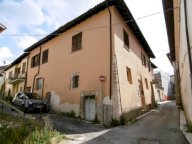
[{"x": 159, "y": 127}]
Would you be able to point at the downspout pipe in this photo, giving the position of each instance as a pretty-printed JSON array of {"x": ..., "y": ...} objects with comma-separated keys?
[
  {"x": 188, "y": 41},
  {"x": 38, "y": 70},
  {"x": 26, "y": 74},
  {"x": 110, "y": 45}
]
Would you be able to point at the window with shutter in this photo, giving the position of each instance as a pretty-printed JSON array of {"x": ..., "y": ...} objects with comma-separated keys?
[
  {"x": 77, "y": 42},
  {"x": 45, "y": 56},
  {"x": 35, "y": 60},
  {"x": 126, "y": 38}
]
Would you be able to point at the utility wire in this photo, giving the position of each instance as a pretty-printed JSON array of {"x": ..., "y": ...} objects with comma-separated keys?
[{"x": 100, "y": 27}]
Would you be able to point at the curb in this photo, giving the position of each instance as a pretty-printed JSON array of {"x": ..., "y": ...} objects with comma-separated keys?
[
  {"x": 143, "y": 115},
  {"x": 183, "y": 127}
]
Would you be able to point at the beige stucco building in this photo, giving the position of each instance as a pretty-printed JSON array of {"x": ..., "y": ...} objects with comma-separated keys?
[
  {"x": 15, "y": 75},
  {"x": 179, "y": 30},
  {"x": 68, "y": 63}
]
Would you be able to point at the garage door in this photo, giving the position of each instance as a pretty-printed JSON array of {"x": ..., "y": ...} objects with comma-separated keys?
[{"x": 90, "y": 108}]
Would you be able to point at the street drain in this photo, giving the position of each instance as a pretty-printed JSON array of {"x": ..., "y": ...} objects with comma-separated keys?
[{"x": 145, "y": 141}]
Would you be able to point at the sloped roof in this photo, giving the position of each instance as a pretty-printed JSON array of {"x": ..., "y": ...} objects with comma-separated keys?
[
  {"x": 153, "y": 65},
  {"x": 2, "y": 27},
  {"x": 169, "y": 20},
  {"x": 18, "y": 60},
  {"x": 123, "y": 10}
]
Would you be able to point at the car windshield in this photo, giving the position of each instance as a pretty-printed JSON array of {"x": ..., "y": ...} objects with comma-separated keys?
[{"x": 33, "y": 96}]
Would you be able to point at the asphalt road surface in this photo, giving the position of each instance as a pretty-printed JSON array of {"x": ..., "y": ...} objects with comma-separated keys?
[{"x": 159, "y": 127}]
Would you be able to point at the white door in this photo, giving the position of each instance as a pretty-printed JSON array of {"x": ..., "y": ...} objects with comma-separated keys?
[{"x": 90, "y": 108}]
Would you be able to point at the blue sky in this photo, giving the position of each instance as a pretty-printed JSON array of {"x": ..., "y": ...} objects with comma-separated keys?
[{"x": 25, "y": 19}]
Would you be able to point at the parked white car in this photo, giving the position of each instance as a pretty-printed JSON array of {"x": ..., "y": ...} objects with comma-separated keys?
[{"x": 30, "y": 102}]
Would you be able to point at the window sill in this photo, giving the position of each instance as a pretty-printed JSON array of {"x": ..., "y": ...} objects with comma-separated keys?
[
  {"x": 76, "y": 50},
  {"x": 44, "y": 63},
  {"x": 127, "y": 48},
  {"x": 34, "y": 66},
  {"x": 74, "y": 87}
]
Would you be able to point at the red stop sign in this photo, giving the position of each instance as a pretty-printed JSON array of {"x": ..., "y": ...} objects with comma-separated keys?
[{"x": 102, "y": 78}]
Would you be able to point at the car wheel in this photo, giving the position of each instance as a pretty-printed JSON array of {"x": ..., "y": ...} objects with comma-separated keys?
[{"x": 46, "y": 109}]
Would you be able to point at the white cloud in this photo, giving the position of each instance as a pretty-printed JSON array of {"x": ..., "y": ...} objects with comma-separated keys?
[
  {"x": 59, "y": 12},
  {"x": 38, "y": 31},
  {"x": 5, "y": 55},
  {"x": 25, "y": 13},
  {"x": 26, "y": 41}
]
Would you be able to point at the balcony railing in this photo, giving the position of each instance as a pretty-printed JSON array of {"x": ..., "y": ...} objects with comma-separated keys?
[{"x": 16, "y": 78}]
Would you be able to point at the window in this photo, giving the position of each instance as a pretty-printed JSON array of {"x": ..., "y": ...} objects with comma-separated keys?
[
  {"x": 39, "y": 83},
  {"x": 129, "y": 77},
  {"x": 126, "y": 38},
  {"x": 143, "y": 59},
  {"x": 35, "y": 60},
  {"x": 10, "y": 74},
  {"x": 45, "y": 56},
  {"x": 23, "y": 67},
  {"x": 77, "y": 42},
  {"x": 146, "y": 83},
  {"x": 149, "y": 65},
  {"x": 75, "y": 81}
]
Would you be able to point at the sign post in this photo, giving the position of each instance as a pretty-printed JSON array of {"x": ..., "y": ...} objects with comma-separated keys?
[{"x": 102, "y": 79}]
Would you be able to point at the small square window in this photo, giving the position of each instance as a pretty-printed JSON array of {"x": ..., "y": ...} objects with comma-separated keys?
[
  {"x": 129, "y": 76},
  {"x": 75, "y": 81},
  {"x": 77, "y": 42}
]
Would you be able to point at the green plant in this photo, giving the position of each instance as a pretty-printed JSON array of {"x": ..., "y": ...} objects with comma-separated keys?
[
  {"x": 189, "y": 127},
  {"x": 130, "y": 122},
  {"x": 95, "y": 121},
  {"x": 44, "y": 135},
  {"x": 122, "y": 120},
  {"x": 10, "y": 135},
  {"x": 68, "y": 114},
  {"x": 24, "y": 131},
  {"x": 114, "y": 122}
]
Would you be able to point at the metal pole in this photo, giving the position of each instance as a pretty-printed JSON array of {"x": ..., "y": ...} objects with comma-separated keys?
[
  {"x": 41, "y": 97},
  {"x": 102, "y": 100},
  {"x": 2, "y": 103}
]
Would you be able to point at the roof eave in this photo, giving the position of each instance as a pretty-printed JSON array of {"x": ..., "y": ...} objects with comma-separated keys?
[
  {"x": 169, "y": 20},
  {"x": 18, "y": 60},
  {"x": 123, "y": 10}
]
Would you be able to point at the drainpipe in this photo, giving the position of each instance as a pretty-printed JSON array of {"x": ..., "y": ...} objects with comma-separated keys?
[
  {"x": 188, "y": 42},
  {"x": 26, "y": 74},
  {"x": 178, "y": 83},
  {"x": 110, "y": 45},
  {"x": 37, "y": 71}
]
